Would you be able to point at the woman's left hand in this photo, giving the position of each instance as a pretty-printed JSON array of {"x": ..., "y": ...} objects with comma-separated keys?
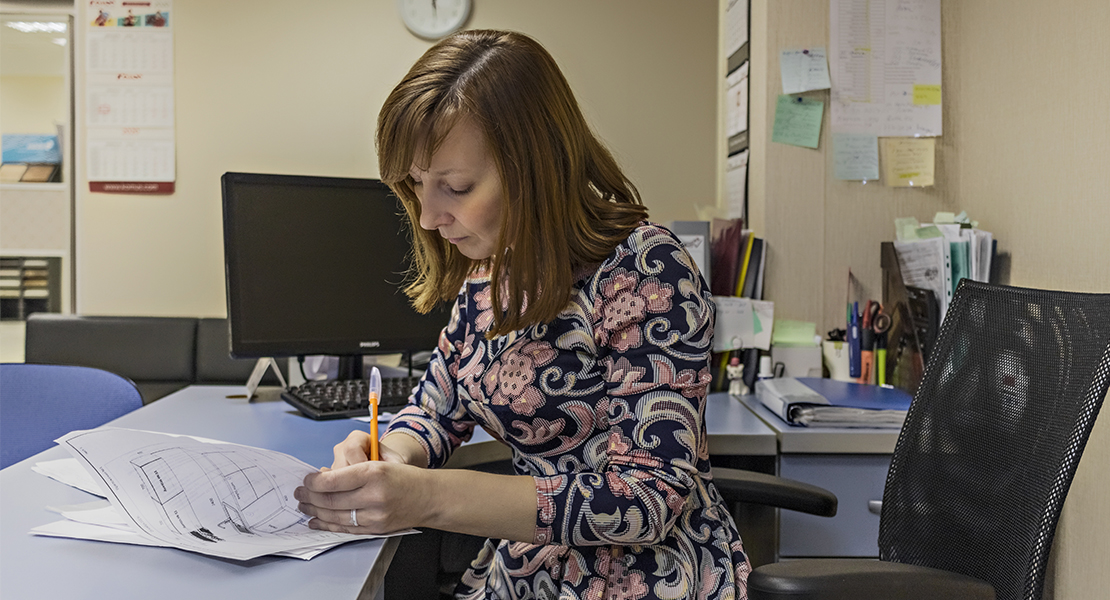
[{"x": 375, "y": 497}]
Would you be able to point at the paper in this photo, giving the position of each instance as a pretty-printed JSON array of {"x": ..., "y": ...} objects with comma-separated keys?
[
  {"x": 129, "y": 97},
  {"x": 736, "y": 26},
  {"x": 803, "y": 70},
  {"x": 885, "y": 59},
  {"x": 856, "y": 156},
  {"x": 742, "y": 323},
  {"x": 736, "y": 183},
  {"x": 736, "y": 101},
  {"x": 69, "y": 472},
  {"x": 798, "y": 121},
  {"x": 927, "y": 264},
  {"x": 908, "y": 162},
  {"x": 214, "y": 498}
]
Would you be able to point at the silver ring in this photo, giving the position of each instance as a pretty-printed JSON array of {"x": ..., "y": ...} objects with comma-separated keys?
[{"x": 354, "y": 517}]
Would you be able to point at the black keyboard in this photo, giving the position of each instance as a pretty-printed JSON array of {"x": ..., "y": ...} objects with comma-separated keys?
[{"x": 343, "y": 399}]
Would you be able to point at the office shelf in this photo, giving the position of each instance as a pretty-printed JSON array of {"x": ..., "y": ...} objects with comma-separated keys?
[{"x": 29, "y": 284}]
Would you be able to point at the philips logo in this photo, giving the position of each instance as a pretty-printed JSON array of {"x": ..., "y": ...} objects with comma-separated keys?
[{"x": 369, "y": 344}]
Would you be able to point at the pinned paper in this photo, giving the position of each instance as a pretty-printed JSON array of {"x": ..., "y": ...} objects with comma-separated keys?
[
  {"x": 908, "y": 162},
  {"x": 798, "y": 121},
  {"x": 804, "y": 70},
  {"x": 742, "y": 323},
  {"x": 856, "y": 156}
]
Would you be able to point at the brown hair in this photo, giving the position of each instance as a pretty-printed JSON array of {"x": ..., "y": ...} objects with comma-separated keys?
[{"x": 567, "y": 203}]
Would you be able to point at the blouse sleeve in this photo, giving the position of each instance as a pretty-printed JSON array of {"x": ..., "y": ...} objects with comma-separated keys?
[
  {"x": 434, "y": 416},
  {"x": 653, "y": 329}
]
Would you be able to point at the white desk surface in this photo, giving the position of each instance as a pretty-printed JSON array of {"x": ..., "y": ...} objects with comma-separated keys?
[{"x": 39, "y": 567}]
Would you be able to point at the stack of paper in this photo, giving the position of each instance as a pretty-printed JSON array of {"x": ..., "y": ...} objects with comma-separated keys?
[
  {"x": 210, "y": 497},
  {"x": 936, "y": 256},
  {"x": 817, "y": 402}
]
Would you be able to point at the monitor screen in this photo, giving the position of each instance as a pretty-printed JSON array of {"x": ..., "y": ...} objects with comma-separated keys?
[{"x": 315, "y": 265}]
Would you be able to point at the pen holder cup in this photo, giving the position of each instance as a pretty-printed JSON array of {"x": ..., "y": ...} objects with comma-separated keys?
[{"x": 835, "y": 355}]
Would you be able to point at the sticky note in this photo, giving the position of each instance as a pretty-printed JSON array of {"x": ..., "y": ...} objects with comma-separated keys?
[
  {"x": 856, "y": 156},
  {"x": 926, "y": 94},
  {"x": 798, "y": 121},
  {"x": 908, "y": 162}
]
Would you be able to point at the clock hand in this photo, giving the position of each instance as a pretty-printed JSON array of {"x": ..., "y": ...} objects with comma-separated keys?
[{"x": 435, "y": 11}]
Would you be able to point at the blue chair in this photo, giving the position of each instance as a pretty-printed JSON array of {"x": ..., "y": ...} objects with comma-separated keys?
[{"x": 40, "y": 403}]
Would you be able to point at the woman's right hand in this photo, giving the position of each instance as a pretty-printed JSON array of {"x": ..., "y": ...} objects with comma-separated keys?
[{"x": 356, "y": 449}]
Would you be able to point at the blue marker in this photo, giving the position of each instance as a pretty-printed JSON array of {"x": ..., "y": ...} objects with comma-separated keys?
[{"x": 853, "y": 340}]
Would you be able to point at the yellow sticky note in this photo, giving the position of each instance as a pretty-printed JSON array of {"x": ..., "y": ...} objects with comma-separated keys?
[
  {"x": 926, "y": 94},
  {"x": 908, "y": 162}
]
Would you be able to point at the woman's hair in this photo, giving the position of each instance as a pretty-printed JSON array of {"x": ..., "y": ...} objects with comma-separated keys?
[{"x": 566, "y": 202}]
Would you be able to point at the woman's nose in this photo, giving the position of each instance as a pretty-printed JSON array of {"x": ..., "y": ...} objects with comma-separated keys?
[{"x": 432, "y": 216}]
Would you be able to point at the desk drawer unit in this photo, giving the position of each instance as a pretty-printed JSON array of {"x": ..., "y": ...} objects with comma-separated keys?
[{"x": 856, "y": 479}]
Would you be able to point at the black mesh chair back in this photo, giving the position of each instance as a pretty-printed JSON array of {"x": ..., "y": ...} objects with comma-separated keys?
[{"x": 995, "y": 432}]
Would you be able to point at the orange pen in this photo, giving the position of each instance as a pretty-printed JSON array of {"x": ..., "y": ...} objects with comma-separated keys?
[{"x": 375, "y": 392}]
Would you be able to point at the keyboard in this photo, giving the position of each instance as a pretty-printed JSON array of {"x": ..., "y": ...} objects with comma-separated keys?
[{"x": 343, "y": 399}]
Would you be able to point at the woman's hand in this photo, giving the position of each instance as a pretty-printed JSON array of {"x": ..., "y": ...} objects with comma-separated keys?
[
  {"x": 375, "y": 497},
  {"x": 356, "y": 449}
]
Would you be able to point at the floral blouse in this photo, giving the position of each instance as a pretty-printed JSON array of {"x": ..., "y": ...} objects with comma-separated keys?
[{"x": 604, "y": 408}]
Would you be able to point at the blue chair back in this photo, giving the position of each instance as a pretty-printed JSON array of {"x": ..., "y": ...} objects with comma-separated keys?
[{"x": 40, "y": 403}]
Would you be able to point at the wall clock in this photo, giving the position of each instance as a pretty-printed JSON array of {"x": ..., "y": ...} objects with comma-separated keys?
[{"x": 433, "y": 19}]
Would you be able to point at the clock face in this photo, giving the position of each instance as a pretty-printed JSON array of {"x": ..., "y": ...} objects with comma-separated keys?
[{"x": 433, "y": 19}]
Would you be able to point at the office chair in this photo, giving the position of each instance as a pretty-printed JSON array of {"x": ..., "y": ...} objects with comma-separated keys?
[
  {"x": 40, "y": 403},
  {"x": 985, "y": 457}
]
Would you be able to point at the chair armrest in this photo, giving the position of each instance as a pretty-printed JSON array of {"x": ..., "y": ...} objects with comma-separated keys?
[
  {"x": 737, "y": 485},
  {"x": 844, "y": 579}
]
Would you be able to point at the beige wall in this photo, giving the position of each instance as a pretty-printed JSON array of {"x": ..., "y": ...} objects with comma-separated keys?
[
  {"x": 278, "y": 87},
  {"x": 1025, "y": 151},
  {"x": 32, "y": 104}
]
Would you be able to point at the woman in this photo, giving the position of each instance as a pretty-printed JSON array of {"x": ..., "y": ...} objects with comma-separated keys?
[{"x": 581, "y": 338}]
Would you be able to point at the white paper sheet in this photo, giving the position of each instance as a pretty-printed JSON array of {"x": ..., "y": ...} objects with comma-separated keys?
[
  {"x": 926, "y": 264},
  {"x": 209, "y": 497},
  {"x": 736, "y": 182},
  {"x": 736, "y": 101},
  {"x": 69, "y": 472},
  {"x": 804, "y": 69},
  {"x": 736, "y": 26},
  {"x": 885, "y": 60}
]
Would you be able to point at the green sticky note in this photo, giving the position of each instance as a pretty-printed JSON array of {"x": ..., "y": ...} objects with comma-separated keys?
[
  {"x": 928, "y": 231},
  {"x": 793, "y": 333},
  {"x": 798, "y": 121},
  {"x": 757, "y": 326},
  {"x": 905, "y": 228},
  {"x": 926, "y": 94}
]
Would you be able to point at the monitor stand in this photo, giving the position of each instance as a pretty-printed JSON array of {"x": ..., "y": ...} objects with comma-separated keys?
[
  {"x": 350, "y": 367},
  {"x": 259, "y": 372}
]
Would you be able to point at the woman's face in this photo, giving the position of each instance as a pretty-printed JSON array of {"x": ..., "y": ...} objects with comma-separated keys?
[{"x": 460, "y": 192}]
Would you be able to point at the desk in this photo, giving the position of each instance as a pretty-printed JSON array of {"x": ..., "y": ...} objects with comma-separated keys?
[
  {"x": 849, "y": 462},
  {"x": 38, "y": 567}
]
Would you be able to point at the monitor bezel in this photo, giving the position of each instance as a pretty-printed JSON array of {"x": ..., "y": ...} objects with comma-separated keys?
[{"x": 241, "y": 348}]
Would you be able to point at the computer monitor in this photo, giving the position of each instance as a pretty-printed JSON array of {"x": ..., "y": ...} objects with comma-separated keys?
[{"x": 315, "y": 265}]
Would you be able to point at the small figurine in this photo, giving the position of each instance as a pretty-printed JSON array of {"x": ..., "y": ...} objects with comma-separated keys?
[{"x": 735, "y": 372}]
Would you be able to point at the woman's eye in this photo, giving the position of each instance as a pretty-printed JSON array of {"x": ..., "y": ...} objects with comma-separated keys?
[{"x": 461, "y": 192}]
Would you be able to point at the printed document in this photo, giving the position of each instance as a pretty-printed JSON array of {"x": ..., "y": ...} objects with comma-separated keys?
[{"x": 209, "y": 497}]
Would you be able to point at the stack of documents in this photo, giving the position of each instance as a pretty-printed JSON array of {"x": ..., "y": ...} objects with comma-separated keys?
[
  {"x": 818, "y": 402},
  {"x": 166, "y": 490}
]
